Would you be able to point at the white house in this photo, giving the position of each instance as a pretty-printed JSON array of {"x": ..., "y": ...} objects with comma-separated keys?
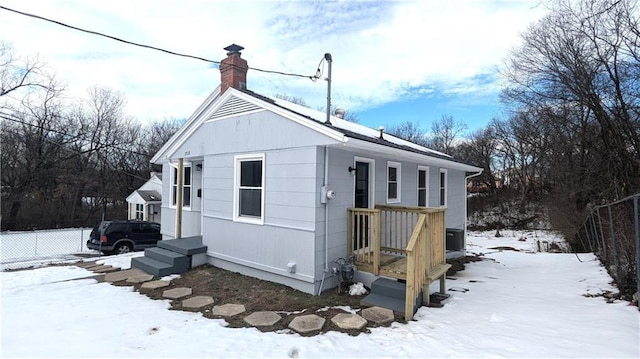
[
  {"x": 145, "y": 202},
  {"x": 278, "y": 192}
]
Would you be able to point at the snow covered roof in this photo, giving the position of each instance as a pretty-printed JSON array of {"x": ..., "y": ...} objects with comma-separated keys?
[{"x": 358, "y": 131}]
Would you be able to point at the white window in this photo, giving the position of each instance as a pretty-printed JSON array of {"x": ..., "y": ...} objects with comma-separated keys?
[
  {"x": 423, "y": 186},
  {"x": 443, "y": 187},
  {"x": 139, "y": 211},
  {"x": 249, "y": 188},
  {"x": 186, "y": 186},
  {"x": 393, "y": 182}
]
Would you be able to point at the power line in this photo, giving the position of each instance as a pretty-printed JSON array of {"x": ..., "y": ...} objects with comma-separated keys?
[
  {"x": 311, "y": 77},
  {"x": 71, "y": 137}
]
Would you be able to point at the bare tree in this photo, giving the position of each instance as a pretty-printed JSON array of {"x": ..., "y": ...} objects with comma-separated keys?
[
  {"x": 584, "y": 55},
  {"x": 410, "y": 131},
  {"x": 480, "y": 149},
  {"x": 18, "y": 73},
  {"x": 445, "y": 132}
]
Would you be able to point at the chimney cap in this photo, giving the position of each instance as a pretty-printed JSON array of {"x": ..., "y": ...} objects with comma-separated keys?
[{"x": 233, "y": 49}]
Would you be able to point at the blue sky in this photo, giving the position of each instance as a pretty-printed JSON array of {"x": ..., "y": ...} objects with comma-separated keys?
[{"x": 392, "y": 61}]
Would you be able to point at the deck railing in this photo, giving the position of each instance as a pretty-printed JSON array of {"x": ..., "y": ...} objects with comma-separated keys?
[
  {"x": 364, "y": 237},
  {"x": 415, "y": 232},
  {"x": 416, "y": 251}
]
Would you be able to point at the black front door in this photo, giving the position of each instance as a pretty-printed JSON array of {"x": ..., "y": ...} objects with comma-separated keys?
[
  {"x": 361, "y": 200},
  {"x": 362, "y": 185}
]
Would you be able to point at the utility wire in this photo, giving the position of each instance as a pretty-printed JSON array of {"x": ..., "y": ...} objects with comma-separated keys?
[{"x": 311, "y": 77}]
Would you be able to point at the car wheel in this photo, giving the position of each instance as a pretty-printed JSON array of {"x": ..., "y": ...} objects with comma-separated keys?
[{"x": 123, "y": 248}]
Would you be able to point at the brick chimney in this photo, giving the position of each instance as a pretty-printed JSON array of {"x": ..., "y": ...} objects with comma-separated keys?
[{"x": 233, "y": 69}]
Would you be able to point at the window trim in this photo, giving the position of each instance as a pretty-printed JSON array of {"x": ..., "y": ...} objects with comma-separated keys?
[
  {"x": 398, "y": 182},
  {"x": 442, "y": 187},
  {"x": 237, "y": 160},
  {"x": 172, "y": 184},
  {"x": 426, "y": 186},
  {"x": 140, "y": 211}
]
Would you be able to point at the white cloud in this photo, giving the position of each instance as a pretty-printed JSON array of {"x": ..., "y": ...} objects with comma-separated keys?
[{"x": 382, "y": 51}]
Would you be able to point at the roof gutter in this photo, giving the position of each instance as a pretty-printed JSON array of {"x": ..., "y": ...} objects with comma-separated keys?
[{"x": 386, "y": 151}]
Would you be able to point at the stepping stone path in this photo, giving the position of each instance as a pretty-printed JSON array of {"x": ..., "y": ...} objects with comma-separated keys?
[
  {"x": 177, "y": 293},
  {"x": 197, "y": 302},
  {"x": 228, "y": 310},
  {"x": 85, "y": 264},
  {"x": 122, "y": 275},
  {"x": 156, "y": 284},
  {"x": 307, "y": 323},
  {"x": 349, "y": 321},
  {"x": 140, "y": 278},
  {"x": 262, "y": 319},
  {"x": 378, "y": 315},
  {"x": 104, "y": 269},
  {"x": 302, "y": 324}
]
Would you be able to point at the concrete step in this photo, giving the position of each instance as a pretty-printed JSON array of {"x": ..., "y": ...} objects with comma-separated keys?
[
  {"x": 152, "y": 266},
  {"x": 186, "y": 246},
  {"x": 177, "y": 260},
  {"x": 374, "y": 299},
  {"x": 389, "y": 288}
]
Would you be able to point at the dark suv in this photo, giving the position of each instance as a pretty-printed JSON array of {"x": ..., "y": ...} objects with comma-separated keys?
[{"x": 124, "y": 236}]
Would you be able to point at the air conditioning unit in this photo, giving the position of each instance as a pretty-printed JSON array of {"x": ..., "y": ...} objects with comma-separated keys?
[{"x": 455, "y": 239}]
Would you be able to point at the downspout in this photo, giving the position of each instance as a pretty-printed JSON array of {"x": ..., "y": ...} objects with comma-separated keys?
[
  {"x": 466, "y": 178},
  {"x": 325, "y": 184}
]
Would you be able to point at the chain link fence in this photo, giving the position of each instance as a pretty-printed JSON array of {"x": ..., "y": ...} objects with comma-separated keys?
[
  {"x": 612, "y": 232},
  {"x": 41, "y": 244}
]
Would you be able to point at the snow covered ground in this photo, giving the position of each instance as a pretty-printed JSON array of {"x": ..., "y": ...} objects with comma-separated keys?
[{"x": 514, "y": 304}]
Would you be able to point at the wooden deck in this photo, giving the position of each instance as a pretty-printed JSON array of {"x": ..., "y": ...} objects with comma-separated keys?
[
  {"x": 406, "y": 243},
  {"x": 391, "y": 265}
]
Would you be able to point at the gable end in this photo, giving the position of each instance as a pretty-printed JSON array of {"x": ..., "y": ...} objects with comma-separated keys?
[{"x": 233, "y": 106}]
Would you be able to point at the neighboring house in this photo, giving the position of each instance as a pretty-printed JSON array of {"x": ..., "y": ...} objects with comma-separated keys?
[
  {"x": 145, "y": 202},
  {"x": 278, "y": 193}
]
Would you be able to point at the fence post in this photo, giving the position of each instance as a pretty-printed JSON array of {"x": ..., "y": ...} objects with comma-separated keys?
[
  {"x": 613, "y": 243},
  {"x": 594, "y": 232},
  {"x": 81, "y": 239},
  {"x": 604, "y": 244},
  {"x": 637, "y": 235},
  {"x": 586, "y": 232},
  {"x": 35, "y": 250}
]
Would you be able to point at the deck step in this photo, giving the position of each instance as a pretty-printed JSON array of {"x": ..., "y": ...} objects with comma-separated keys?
[
  {"x": 374, "y": 299},
  {"x": 390, "y": 288},
  {"x": 176, "y": 260},
  {"x": 152, "y": 266},
  {"x": 186, "y": 246}
]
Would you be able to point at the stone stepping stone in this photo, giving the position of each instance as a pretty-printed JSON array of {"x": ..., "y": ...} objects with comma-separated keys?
[
  {"x": 122, "y": 275},
  {"x": 349, "y": 321},
  {"x": 197, "y": 302},
  {"x": 104, "y": 269},
  {"x": 95, "y": 265},
  {"x": 378, "y": 315},
  {"x": 155, "y": 284},
  {"x": 307, "y": 323},
  {"x": 140, "y": 278},
  {"x": 177, "y": 293},
  {"x": 228, "y": 310},
  {"x": 262, "y": 319},
  {"x": 85, "y": 264}
]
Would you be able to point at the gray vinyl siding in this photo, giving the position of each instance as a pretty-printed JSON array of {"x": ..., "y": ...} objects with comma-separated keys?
[
  {"x": 191, "y": 218},
  {"x": 291, "y": 197},
  {"x": 342, "y": 182},
  {"x": 456, "y": 201}
]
